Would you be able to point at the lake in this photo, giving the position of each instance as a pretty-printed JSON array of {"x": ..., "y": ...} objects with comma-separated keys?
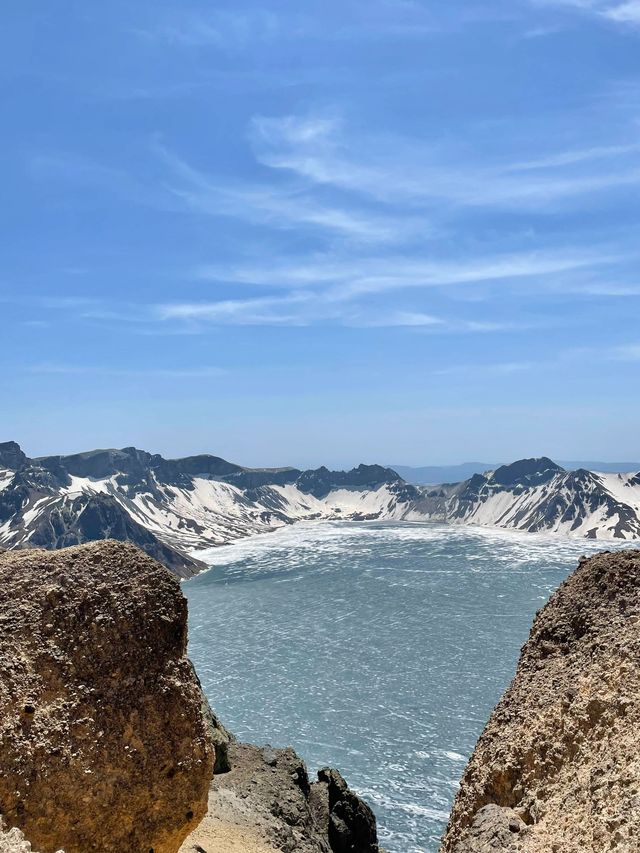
[{"x": 376, "y": 648}]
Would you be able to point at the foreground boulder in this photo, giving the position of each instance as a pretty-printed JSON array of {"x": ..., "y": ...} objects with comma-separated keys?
[
  {"x": 558, "y": 766},
  {"x": 104, "y": 735}
]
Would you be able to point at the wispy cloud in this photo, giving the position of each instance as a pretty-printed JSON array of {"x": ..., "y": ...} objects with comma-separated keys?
[
  {"x": 351, "y": 277},
  {"x": 221, "y": 29},
  {"x": 354, "y": 20},
  {"x": 238, "y": 312},
  {"x": 628, "y": 352},
  {"x": 315, "y": 310},
  {"x": 53, "y": 369},
  {"x": 278, "y": 206},
  {"x": 578, "y": 155},
  {"x": 627, "y": 12},
  {"x": 318, "y": 150},
  {"x": 505, "y": 368}
]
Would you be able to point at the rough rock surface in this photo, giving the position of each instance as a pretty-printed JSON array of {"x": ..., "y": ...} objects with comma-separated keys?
[
  {"x": 267, "y": 803},
  {"x": 557, "y": 768},
  {"x": 104, "y": 743}
]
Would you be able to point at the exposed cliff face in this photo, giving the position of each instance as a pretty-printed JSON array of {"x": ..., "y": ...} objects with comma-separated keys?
[
  {"x": 558, "y": 766},
  {"x": 105, "y": 742}
]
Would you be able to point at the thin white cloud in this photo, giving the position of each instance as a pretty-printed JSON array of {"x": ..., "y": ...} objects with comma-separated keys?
[
  {"x": 314, "y": 309},
  {"x": 627, "y": 12},
  {"x": 418, "y": 173},
  {"x": 571, "y": 157},
  {"x": 352, "y": 277},
  {"x": 52, "y": 369},
  {"x": 628, "y": 352},
  {"x": 609, "y": 289},
  {"x": 226, "y": 30},
  {"x": 280, "y": 207},
  {"x": 505, "y": 368},
  {"x": 220, "y": 29},
  {"x": 239, "y": 312},
  {"x": 408, "y": 319}
]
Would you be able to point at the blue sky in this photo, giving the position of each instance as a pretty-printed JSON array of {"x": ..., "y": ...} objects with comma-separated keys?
[{"x": 322, "y": 232}]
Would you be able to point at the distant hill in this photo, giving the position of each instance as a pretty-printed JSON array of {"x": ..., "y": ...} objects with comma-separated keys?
[{"x": 435, "y": 474}]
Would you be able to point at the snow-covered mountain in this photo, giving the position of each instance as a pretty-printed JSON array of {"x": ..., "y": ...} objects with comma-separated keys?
[
  {"x": 538, "y": 495},
  {"x": 172, "y": 508}
]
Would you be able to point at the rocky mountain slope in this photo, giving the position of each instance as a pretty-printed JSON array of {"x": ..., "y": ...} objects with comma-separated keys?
[
  {"x": 537, "y": 495},
  {"x": 429, "y": 475},
  {"x": 557, "y": 767},
  {"x": 172, "y": 508},
  {"x": 107, "y": 740}
]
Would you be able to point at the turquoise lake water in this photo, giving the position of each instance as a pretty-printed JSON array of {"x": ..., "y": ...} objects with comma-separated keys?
[{"x": 379, "y": 649}]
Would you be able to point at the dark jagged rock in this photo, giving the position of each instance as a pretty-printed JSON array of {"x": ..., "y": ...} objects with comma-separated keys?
[
  {"x": 350, "y": 823},
  {"x": 526, "y": 472},
  {"x": 321, "y": 481},
  {"x": 12, "y": 456},
  {"x": 105, "y": 746},
  {"x": 558, "y": 764},
  {"x": 267, "y": 793}
]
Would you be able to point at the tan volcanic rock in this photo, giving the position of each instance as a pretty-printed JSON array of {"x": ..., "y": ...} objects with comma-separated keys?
[
  {"x": 557, "y": 768},
  {"x": 104, "y": 741}
]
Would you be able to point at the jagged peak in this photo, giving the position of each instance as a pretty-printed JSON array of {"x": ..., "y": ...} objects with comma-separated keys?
[
  {"x": 526, "y": 471},
  {"x": 12, "y": 456}
]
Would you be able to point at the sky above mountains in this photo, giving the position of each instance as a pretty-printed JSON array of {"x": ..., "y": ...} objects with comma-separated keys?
[{"x": 322, "y": 232}]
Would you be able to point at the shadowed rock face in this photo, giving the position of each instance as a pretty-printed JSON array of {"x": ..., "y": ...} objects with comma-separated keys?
[
  {"x": 557, "y": 767},
  {"x": 105, "y": 741},
  {"x": 267, "y": 792}
]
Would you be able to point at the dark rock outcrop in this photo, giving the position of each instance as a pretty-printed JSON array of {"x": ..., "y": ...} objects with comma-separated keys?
[
  {"x": 12, "y": 456},
  {"x": 348, "y": 821},
  {"x": 557, "y": 767},
  {"x": 104, "y": 743},
  {"x": 266, "y": 802}
]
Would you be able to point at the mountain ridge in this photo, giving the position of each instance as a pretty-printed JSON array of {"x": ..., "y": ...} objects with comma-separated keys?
[
  {"x": 176, "y": 508},
  {"x": 425, "y": 475}
]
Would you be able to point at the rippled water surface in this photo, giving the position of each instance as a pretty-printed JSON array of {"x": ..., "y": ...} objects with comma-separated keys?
[{"x": 379, "y": 649}]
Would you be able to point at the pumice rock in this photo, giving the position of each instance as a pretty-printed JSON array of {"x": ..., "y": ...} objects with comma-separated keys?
[
  {"x": 557, "y": 767},
  {"x": 105, "y": 743}
]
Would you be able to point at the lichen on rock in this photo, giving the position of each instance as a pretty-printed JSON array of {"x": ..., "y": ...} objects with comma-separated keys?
[
  {"x": 104, "y": 742},
  {"x": 13, "y": 841}
]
